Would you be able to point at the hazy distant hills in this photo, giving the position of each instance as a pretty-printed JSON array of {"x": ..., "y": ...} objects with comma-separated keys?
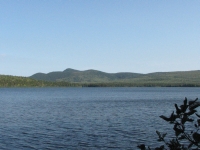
[
  {"x": 88, "y": 76},
  {"x": 179, "y": 78},
  {"x": 94, "y": 78}
]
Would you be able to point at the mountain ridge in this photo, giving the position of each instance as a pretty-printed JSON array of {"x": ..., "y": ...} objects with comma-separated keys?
[{"x": 95, "y": 76}]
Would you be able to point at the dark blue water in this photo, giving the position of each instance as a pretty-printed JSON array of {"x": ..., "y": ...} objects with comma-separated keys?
[{"x": 85, "y": 118}]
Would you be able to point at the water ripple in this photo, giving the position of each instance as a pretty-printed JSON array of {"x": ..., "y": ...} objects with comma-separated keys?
[{"x": 85, "y": 118}]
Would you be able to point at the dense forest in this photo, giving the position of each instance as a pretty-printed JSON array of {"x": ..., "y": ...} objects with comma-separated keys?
[{"x": 14, "y": 81}]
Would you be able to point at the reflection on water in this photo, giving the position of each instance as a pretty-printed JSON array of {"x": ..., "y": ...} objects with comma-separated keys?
[{"x": 85, "y": 118}]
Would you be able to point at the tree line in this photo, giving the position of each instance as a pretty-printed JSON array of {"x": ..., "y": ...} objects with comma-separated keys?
[{"x": 14, "y": 81}]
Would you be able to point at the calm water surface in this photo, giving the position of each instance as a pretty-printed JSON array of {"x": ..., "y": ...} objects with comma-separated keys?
[{"x": 85, "y": 118}]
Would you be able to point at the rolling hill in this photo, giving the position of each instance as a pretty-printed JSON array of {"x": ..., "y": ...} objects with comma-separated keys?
[
  {"x": 94, "y": 78},
  {"x": 98, "y": 78},
  {"x": 88, "y": 76}
]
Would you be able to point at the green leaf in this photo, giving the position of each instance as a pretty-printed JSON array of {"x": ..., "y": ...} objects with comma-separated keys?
[
  {"x": 178, "y": 110},
  {"x": 165, "y": 118},
  {"x": 195, "y": 105},
  {"x": 142, "y": 147},
  {"x": 184, "y": 119},
  {"x": 158, "y": 133},
  {"x": 191, "y": 112},
  {"x": 190, "y": 120},
  {"x": 192, "y": 102},
  {"x": 177, "y": 130}
]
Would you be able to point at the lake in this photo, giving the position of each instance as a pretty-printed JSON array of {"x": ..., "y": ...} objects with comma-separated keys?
[{"x": 86, "y": 118}]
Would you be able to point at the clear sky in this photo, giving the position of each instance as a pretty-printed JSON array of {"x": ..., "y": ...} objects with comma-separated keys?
[{"x": 140, "y": 36}]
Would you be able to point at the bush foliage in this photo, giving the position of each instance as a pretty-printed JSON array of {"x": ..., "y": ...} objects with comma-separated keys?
[{"x": 184, "y": 139}]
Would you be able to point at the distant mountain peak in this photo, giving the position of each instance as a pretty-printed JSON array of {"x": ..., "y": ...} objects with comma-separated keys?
[
  {"x": 70, "y": 70},
  {"x": 95, "y": 76}
]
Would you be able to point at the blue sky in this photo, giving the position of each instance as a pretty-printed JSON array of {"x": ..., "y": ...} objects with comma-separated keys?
[{"x": 107, "y": 35}]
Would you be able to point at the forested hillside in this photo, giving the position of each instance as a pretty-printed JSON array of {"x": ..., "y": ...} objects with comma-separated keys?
[
  {"x": 93, "y": 78},
  {"x": 14, "y": 81},
  {"x": 98, "y": 78}
]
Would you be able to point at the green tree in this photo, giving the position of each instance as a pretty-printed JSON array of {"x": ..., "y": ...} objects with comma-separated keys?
[{"x": 183, "y": 114}]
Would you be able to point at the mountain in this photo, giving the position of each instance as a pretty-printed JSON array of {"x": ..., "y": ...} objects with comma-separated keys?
[
  {"x": 94, "y": 76},
  {"x": 88, "y": 76}
]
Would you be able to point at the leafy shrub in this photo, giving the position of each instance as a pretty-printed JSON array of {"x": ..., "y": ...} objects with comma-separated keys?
[{"x": 185, "y": 113}]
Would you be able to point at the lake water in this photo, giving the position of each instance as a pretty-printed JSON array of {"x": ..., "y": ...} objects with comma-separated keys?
[{"x": 85, "y": 118}]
